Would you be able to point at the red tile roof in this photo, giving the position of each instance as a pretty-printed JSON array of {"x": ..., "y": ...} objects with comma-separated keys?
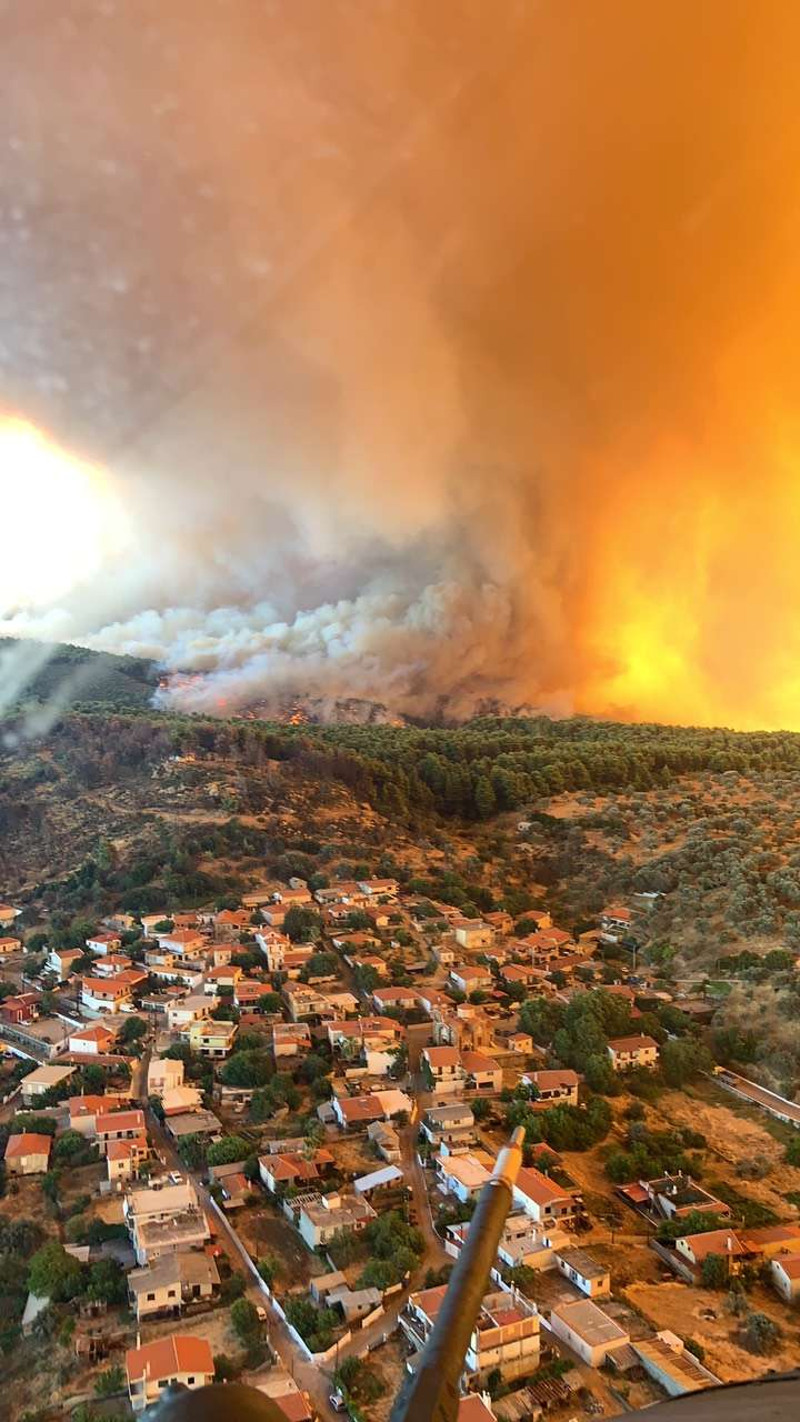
[
  {"x": 168, "y": 1357},
  {"x": 28, "y": 1143}
]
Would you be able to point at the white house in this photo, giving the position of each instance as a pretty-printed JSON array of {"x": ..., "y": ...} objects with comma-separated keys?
[
  {"x": 164, "y": 1074},
  {"x": 555, "y": 1087},
  {"x": 588, "y": 1331},
  {"x": 319, "y": 1220},
  {"x": 593, "y": 1279}
]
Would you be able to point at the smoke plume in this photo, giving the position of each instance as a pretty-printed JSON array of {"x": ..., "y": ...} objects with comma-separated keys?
[{"x": 436, "y": 352}]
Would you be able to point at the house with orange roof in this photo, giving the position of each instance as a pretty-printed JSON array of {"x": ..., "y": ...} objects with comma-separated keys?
[
  {"x": 103, "y": 942},
  {"x": 542, "y": 1200},
  {"x": 118, "y": 1126},
  {"x": 27, "y": 1153},
  {"x": 92, "y": 1041},
  {"x": 180, "y": 1359},
  {"x": 626, "y": 1053},
  {"x": 279, "y": 1171},
  {"x": 123, "y": 1158}
]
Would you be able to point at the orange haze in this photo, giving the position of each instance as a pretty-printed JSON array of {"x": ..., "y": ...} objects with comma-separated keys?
[{"x": 445, "y": 350}]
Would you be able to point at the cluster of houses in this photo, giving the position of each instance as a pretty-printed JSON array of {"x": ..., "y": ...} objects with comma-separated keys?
[{"x": 443, "y": 1026}]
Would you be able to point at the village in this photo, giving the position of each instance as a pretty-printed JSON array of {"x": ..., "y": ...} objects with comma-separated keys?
[{"x": 247, "y": 1141}]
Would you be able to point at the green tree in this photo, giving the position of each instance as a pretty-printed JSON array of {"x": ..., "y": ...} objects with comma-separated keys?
[
  {"x": 111, "y": 1381},
  {"x": 245, "y": 1322},
  {"x": 715, "y": 1272},
  {"x": 302, "y": 925},
  {"x": 54, "y": 1274},
  {"x": 107, "y": 1282},
  {"x": 227, "y": 1150}
]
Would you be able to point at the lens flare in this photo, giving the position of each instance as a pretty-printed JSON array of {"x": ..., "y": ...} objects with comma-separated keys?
[{"x": 60, "y": 519}]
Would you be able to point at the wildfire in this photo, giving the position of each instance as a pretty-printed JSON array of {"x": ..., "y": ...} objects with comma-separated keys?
[{"x": 691, "y": 611}]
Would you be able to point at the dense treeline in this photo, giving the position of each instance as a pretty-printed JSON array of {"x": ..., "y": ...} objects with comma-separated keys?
[{"x": 471, "y": 771}]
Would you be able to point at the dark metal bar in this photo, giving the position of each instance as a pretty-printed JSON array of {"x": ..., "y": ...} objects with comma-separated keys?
[{"x": 433, "y": 1393}]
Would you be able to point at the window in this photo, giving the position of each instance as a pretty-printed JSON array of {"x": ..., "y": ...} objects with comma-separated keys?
[
  {"x": 151, "y": 1298},
  {"x": 189, "y": 1382}
]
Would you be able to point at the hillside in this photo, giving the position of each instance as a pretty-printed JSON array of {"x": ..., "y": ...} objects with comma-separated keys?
[
  {"x": 704, "y": 818},
  {"x": 61, "y": 675}
]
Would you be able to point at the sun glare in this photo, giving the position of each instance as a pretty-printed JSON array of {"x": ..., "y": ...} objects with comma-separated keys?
[{"x": 59, "y": 519}]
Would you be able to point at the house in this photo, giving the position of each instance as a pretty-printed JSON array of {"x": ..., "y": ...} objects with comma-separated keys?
[
  {"x": 388, "y": 1177},
  {"x": 93, "y": 1041},
  {"x": 84, "y": 1110},
  {"x": 192, "y": 1008},
  {"x": 172, "y": 1281},
  {"x": 290, "y": 1038},
  {"x": 519, "y": 1042},
  {"x": 593, "y": 1279},
  {"x": 164, "y": 1220},
  {"x": 197, "y": 1122},
  {"x": 772, "y": 1240},
  {"x": 358, "y": 1111},
  {"x": 61, "y": 961},
  {"x": 43, "y": 1079},
  {"x": 175, "y": 1100},
  {"x": 674, "y": 1196},
  {"x": 615, "y": 923},
  {"x": 303, "y": 1001},
  {"x": 521, "y": 1243},
  {"x": 544, "y": 1201},
  {"x": 482, "y": 1073},
  {"x": 112, "y": 965},
  {"x": 279, "y": 1171},
  {"x": 382, "y": 890},
  {"x": 232, "y": 921},
  {"x": 784, "y": 1272},
  {"x": 505, "y": 1336},
  {"x": 444, "y": 953},
  {"x": 222, "y": 977},
  {"x": 400, "y": 998},
  {"x": 274, "y": 945},
  {"x": 9, "y": 946},
  {"x": 463, "y": 1176},
  {"x": 629, "y": 1052},
  {"x": 588, "y": 1331},
  {"x": 386, "y": 1141},
  {"x": 8, "y": 915},
  {"x": 183, "y": 942},
  {"x": 105, "y": 994},
  {"x": 164, "y": 1074},
  {"x": 452, "y": 1124},
  {"x": 102, "y": 943},
  {"x": 524, "y": 973},
  {"x": 696, "y": 1248},
  {"x": 471, "y": 978},
  {"x": 24, "y": 1007},
  {"x": 443, "y": 1067},
  {"x": 556, "y": 1087},
  {"x": 211, "y": 1038},
  {"x": 321, "y": 1218},
  {"x": 473, "y": 934},
  {"x": 123, "y": 1158},
  {"x": 668, "y": 1361},
  {"x": 181, "y": 1360},
  {"x": 119, "y": 1126},
  {"x": 249, "y": 994},
  {"x": 28, "y": 1153}
]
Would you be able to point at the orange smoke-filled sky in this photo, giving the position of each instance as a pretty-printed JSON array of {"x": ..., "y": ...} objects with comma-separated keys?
[{"x": 435, "y": 350}]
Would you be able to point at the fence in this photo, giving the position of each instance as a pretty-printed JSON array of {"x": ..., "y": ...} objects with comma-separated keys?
[{"x": 318, "y": 1358}]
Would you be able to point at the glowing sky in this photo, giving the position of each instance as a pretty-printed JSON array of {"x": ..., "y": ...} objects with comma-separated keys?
[{"x": 434, "y": 350}]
